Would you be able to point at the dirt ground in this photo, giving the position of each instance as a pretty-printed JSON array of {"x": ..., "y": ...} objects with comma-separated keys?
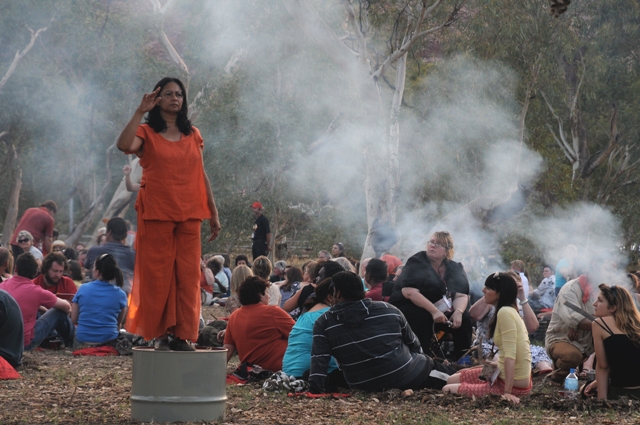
[{"x": 57, "y": 388}]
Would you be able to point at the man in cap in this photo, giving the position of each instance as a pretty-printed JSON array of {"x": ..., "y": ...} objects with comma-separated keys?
[
  {"x": 261, "y": 235},
  {"x": 116, "y": 245}
]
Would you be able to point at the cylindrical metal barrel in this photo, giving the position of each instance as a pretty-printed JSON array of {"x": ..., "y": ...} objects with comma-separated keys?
[{"x": 172, "y": 386}]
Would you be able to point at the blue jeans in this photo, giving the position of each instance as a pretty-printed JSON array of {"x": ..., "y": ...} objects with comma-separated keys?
[{"x": 53, "y": 319}]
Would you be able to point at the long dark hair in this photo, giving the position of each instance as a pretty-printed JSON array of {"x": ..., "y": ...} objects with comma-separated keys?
[
  {"x": 507, "y": 290},
  {"x": 293, "y": 275},
  {"x": 108, "y": 267},
  {"x": 155, "y": 120}
]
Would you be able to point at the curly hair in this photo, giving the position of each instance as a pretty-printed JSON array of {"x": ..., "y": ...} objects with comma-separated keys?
[
  {"x": 155, "y": 120},
  {"x": 51, "y": 258},
  {"x": 252, "y": 289}
]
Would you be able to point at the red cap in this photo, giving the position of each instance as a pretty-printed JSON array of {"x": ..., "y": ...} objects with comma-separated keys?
[{"x": 256, "y": 205}]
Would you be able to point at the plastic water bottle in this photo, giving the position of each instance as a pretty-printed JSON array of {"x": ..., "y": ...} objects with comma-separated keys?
[{"x": 571, "y": 383}]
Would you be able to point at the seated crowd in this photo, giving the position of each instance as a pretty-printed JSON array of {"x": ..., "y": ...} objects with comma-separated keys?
[{"x": 334, "y": 323}]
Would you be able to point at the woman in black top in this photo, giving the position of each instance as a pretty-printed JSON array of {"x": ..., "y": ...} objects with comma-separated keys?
[
  {"x": 616, "y": 339},
  {"x": 433, "y": 294}
]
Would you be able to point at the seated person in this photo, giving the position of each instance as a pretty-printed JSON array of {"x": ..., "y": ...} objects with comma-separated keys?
[
  {"x": 375, "y": 276},
  {"x": 239, "y": 275},
  {"x": 290, "y": 285},
  {"x": 371, "y": 341},
  {"x": 31, "y": 298},
  {"x": 6, "y": 264},
  {"x": 25, "y": 241},
  {"x": 52, "y": 276},
  {"x": 569, "y": 340},
  {"x": 510, "y": 335},
  {"x": 297, "y": 358},
  {"x": 433, "y": 290},
  {"x": 11, "y": 330},
  {"x": 262, "y": 267},
  {"x": 545, "y": 294},
  {"x": 483, "y": 312},
  {"x": 257, "y": 330},
  {"x": 99, "y": 307},
  {"x": 221, "y": 281},
  {"x": 616, "y": 336}
]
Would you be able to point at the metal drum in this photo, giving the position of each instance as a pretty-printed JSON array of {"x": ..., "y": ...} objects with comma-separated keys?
[{"x": 178, "y": 386}]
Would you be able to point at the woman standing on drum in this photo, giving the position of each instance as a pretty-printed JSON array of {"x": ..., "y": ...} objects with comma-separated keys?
[{"x": 175, "y": 196}]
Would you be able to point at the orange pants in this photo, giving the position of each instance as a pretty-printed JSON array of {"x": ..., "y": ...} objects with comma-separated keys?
[{"x": 165, "y": 297}]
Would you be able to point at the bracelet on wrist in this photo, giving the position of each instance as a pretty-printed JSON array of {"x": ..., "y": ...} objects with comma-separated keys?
[{"x": 526, "y": 301}]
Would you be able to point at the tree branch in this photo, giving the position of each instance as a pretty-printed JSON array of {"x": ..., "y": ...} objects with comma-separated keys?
[
  {"x": 415, "y": 35},
  {"x": 20, "y": 54},
  {"x": 562, "y": 141},
  {"x": 362, "y": 42},
  {"x": 614, "y": 137}
]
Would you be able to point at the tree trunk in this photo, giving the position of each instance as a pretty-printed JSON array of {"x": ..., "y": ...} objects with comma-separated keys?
[{"x": 11, "y": 218}]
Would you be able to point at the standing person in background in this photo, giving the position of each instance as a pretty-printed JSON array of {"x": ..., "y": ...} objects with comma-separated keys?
[
  {"x": 565, "y": 269},
  {"x": 175, "y": 196},
  {"x": 261, "y": 235},
  {"x": 39, "y": 222}
]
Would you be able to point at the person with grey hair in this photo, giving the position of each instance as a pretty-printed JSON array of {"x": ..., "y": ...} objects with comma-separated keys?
[
  {"x": 278, "y": 271},
  {"x": 324, "y": 256},
  {"x": 25, "y": 241}
]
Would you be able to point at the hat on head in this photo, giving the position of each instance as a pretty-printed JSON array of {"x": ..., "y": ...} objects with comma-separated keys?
[
  {"x": 256, "y": 205},
  {"x": 58, "y": 243}
]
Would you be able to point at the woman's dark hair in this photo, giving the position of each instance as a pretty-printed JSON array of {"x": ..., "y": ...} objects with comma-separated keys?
[
  {"x": 242, "y": 257},
  {"x": 107, "y": 266},
  {"x": 75, "y": 271},
  {"x": 323, "y": 290},
  {"x": 507, "y": 290},
  {"x": 215, "y": 265},
  {"x": 70, "y": 253},
  {"x": 252, "y": 289},
  {"x": 155, "y": 120},
  {"x": 26, "y": 266},
  {"x": 293, "y": 275},
  {"x": 340, "y": 246},
  {"x": 349, "y": 285}
]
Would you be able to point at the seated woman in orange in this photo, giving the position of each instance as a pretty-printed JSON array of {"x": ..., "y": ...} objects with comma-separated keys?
[
  {"x": 175, "y": 196},
  {"x": 257, "y": 330}
]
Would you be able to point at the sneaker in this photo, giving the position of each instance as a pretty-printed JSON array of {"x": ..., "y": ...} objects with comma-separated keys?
[
  {"x": 178, "y": 344},
  {"x": 161, "y": 344}
]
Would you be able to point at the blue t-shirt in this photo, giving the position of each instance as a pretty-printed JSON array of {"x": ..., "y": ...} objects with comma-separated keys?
[
  {"x": 297, "y": 358},
  {"x": 560, "y": 280},
  {"x": 99, "y": 305}
]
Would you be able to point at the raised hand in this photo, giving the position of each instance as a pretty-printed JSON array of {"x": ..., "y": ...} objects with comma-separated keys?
[
  {"x": 149, "y": 101},
  {"x": 126, "y": 170}
]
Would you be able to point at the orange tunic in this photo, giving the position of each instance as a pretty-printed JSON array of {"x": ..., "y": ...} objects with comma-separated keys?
[{"x": 171, "y": 204}]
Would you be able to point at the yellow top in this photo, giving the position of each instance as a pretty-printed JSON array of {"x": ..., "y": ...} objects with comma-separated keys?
[{"x": 512, "y": 340}]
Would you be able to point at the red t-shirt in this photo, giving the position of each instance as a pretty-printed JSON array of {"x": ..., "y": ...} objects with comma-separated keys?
[
  {"x": 36, "y": 221},
  {"x": 260, "y": 333},
  {"x": 375, "y": 293},
  {"x": 29, "y": 297},
  {"x": 64, "y": 286}
]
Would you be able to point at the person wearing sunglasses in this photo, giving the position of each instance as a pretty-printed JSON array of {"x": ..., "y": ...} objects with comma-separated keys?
[
  {"x": 25, "y": 242},
  {"x": 433, "y": 294},
  {"x": 616, "y": 339}
]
